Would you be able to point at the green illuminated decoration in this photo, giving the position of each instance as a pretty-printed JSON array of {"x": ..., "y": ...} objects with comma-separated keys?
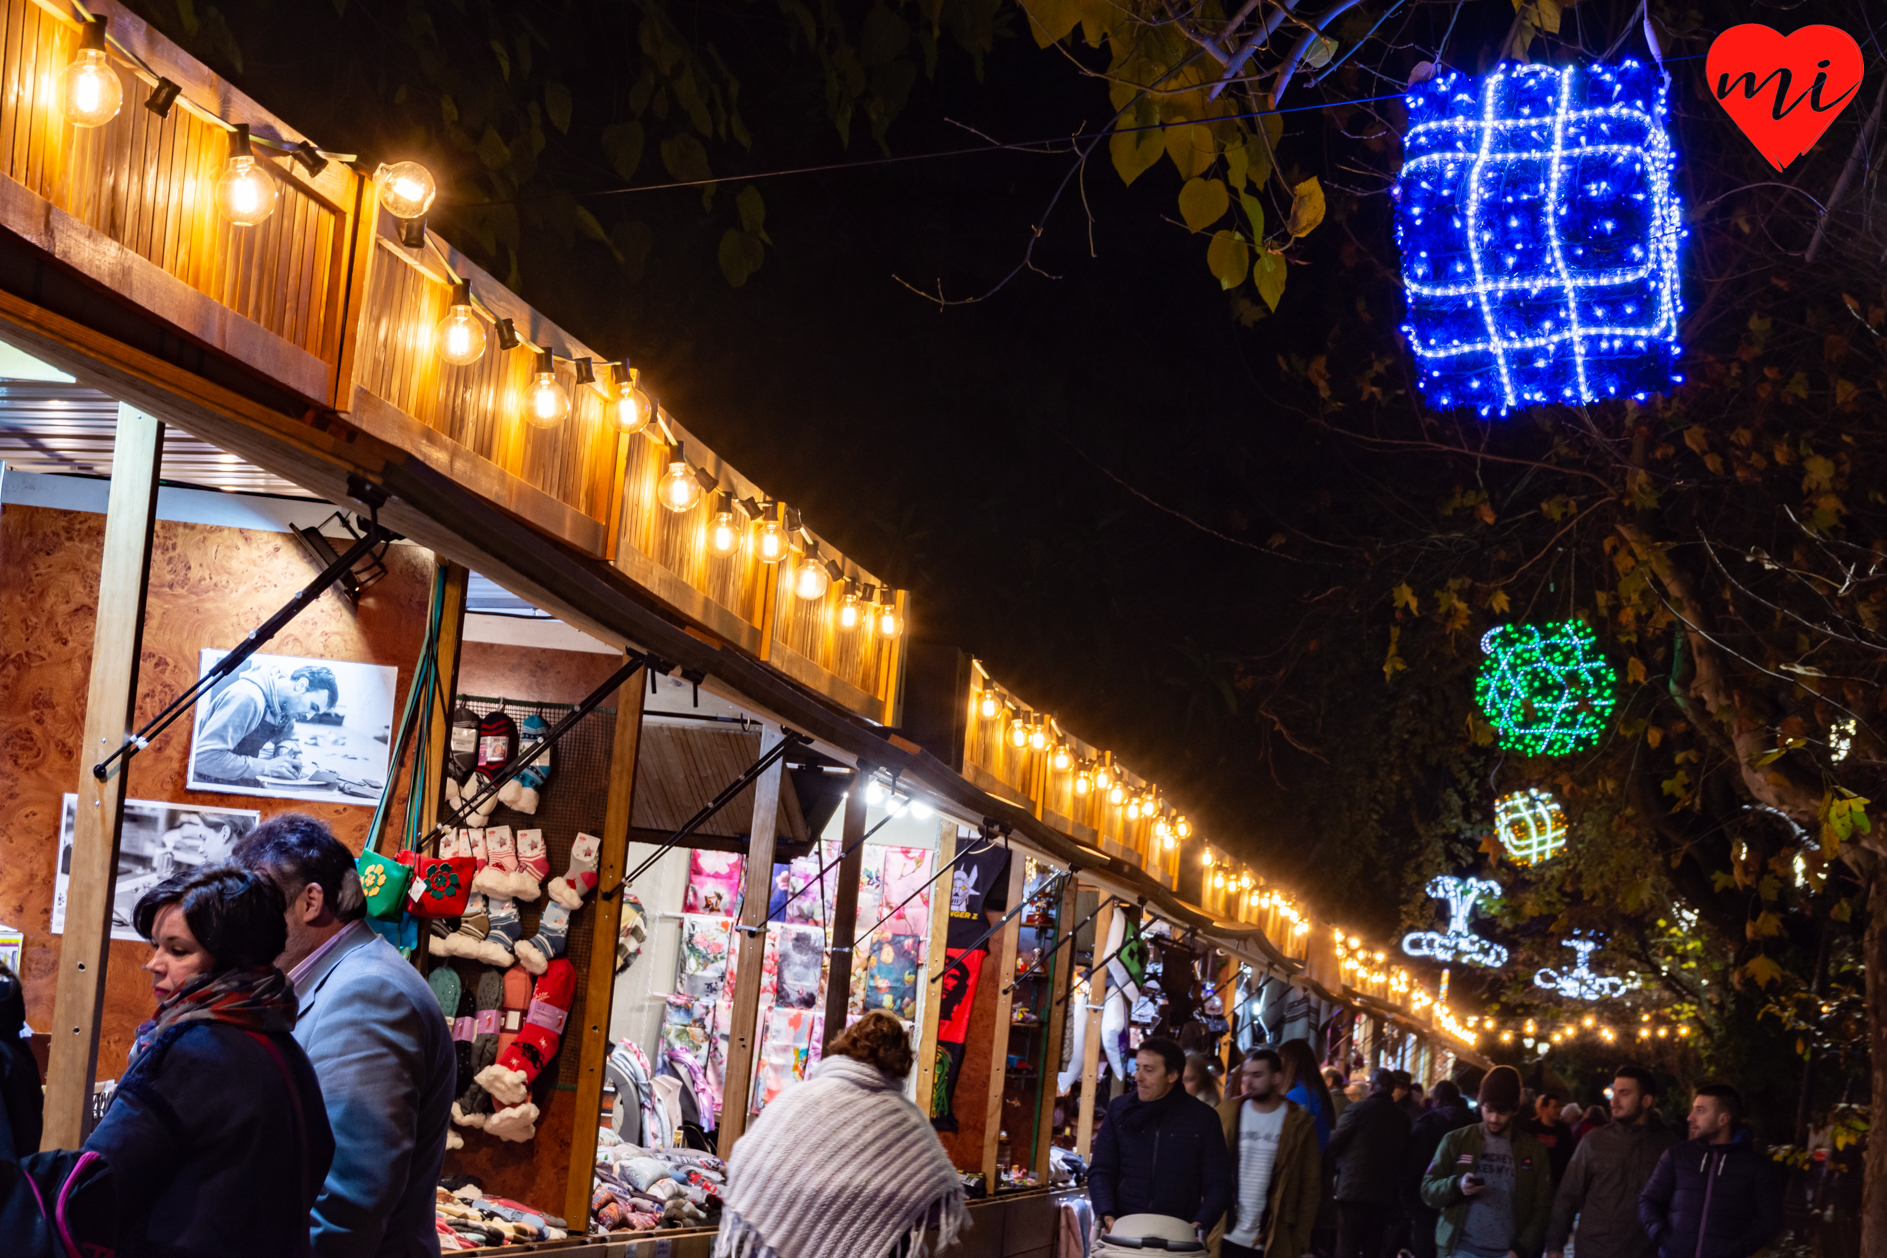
[{"x": 1546, "y": 688}]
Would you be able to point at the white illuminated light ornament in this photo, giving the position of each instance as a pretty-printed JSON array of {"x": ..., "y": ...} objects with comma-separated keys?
[
  {"x": 1458, "y": 943},
  {"x": 1530, "y": 825},
  {"x": 1539, "y": 236},
  {"x": 1580, "y": 983}
]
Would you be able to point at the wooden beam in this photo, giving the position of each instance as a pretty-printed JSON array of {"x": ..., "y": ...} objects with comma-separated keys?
[
  {"x": 934, "y": 963},
  {"x": 1091, "y": 1058},
  {"x": 1001, "y": 965},
  {"x": 110, "y": 706},
  {"x": 599, "y": 983},
  {"x": 743, "y": 1036},
  {"x": 1061, "y": 971},
  {"x": 844, "y": 925},
  {"x": 451, "y": 636}
]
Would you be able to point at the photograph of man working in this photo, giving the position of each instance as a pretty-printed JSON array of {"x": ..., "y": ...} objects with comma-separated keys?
[{"x": 294, "y": 728}]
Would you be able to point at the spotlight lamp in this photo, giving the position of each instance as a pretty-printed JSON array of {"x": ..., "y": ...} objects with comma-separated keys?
[
  {"x": 633, "y": 409},
  {"x": 682, "y": 485},
  {"x": 461, "y": 334},
  {"x": 545, "y": 403},
  {"x": 406, "y": 189},
  {"x": 725, "y": 530},
  {"x": 245, "y": 193},
  {"x": 90, "y": 91}
]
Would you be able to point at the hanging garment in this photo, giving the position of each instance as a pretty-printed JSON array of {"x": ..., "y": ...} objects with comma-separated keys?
[
  {"x": 903, "y": 872},
  {"x": 714, "y": 883},
  {"x": 1078, "y": 1051}
]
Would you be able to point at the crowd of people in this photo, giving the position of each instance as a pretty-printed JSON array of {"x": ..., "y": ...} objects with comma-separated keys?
[
  {"x": 1295, "y": 1160},
  {"x": 292, "y": 1090}
]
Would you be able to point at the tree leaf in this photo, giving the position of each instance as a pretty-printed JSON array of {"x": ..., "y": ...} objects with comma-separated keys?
[
  {"x": 687, "y": 162},
  {"x": 1269, "y": 272},
  {"x": 503, "y": 54},
  {"x": 1321, "y": 49},
  {"x": 1634, "y": 669},
  {"x": 741, "y": 255},
  {"x": 1307, "y": 207},
  {"x": 1203, "y": 202},
  {"x": 1254, "y": 215},
  {"x": 557, "y": 106},
  {"x": 493, "y": 151},
  {"x": 623, "y": 142},
  {"x": 1228, "y": 258},
  {"x": 1134, "y": 152},
  {"x": 1051, "y": 20},
  {"x": 1499, "y": 601},
  {"x": 753, "y": 210},
  {"x": 1192, "y": 150},
  {"x": 1762, "y": 971},
  {"x": 884, "y": 36}
]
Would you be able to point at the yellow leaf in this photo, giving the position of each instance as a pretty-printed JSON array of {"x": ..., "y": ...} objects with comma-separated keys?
[
  {"x": 1499, "y": 601},
  {"x": 1653, "y": 735},
  {"x": 1270, "y": 274},
  {"x": 1307, "y": 207},
  {"x": 1403, "y": 596},
  {"x": 1634, "y": 669},
  {"x": 1134, "y": 152},
  {"x": 1762, "y": 971},
  {"x": 1203, "y": 202},
  {"x": 1394, "y": 663},
  {"x": 1228, "y": 258},
  {"x": 1484, "y": 513},
  {"x": 1051, "y": 20},
  {"x": 1697, "y": 439},
  {"x": 1191, "y": 149}
]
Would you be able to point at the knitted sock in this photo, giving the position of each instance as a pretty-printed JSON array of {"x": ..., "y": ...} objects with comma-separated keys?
[
  {"x": 517, "y": 999},
  {"x": 569, "y": 888},
  {"x": 463, "y": 1027},
  {"x": 522, "y": 793},
  {"x": 509, "y": 1079},
  {"x": 463, "y": 736},
  {"x": 533, "y": 859},
  {"x": 475, "y": 787},
  {"x": 501, "y": 861},
  {"x": 473, "y": 843},
  {"x": 497, "y": 742},
  {"x": 474, "y": 1103},
  {"x": 497, "y": 945},
  {"x": 474, "y": 925},
  {"x": 553, "y": 933},
  {"x": 444, "y": 982}
]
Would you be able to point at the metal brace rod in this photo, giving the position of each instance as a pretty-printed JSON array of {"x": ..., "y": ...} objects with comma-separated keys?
[
  {"x": 519, "y": 764},
  {"x": 789, "y": 740},
  {"x": 972, "y": 850},
  {"x": 828, "y": 867},
  {"x": 258, "y": 637},
  {"x": 1004, "y": 921},
  {"x": 1066, "y": 939}
]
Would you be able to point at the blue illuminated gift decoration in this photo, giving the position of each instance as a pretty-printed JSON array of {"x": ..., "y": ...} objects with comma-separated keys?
[{"x": 1539, "y": 236}]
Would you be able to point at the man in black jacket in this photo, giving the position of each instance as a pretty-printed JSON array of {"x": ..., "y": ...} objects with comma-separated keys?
[
  {"x": 1449, "y": 1113},
  {"x": 1161, "y": 1151},
  {"x": 1715, "y": 1195},
  {"x": 1369, "y": 1147}
]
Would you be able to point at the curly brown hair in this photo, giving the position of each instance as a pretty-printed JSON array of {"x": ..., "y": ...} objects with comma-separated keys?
[{"x": 878, "y": 1039}]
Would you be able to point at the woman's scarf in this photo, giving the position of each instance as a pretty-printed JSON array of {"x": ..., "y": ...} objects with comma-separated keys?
[
  {"x": 839, "y": 1166},
  {"x": 260, "y": 1000}
]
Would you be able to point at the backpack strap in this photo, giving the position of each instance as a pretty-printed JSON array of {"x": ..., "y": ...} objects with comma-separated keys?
[
  {"x": 301, "y": 1122},
  {"x": 79, "y": 1168}
]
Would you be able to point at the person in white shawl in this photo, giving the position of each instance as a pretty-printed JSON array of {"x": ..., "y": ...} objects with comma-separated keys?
[{"x": 842, "y": 1165}]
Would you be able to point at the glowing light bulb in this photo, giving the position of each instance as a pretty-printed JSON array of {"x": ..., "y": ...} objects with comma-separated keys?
[
  {"x": 545, "y": 402},
  {"x": 771, "y": 543},
  {"x": 724, "y": 532},
  {"x": 874, "y": 792},
  {"x": 245, "y": 193},
  {"x": 1062, "y": 758},
  {"x": 1205, "y": 858},
  {"x": 1218, "y": 880},
  {"x": 1116, "y": 793},
  {"x": 679, "y": 490},
  {"x": 1133, "y": 808},
  {"x": 406, "y": 189},
  {"x": 1084, "y": 782},
  {"x": 988, "y": 708},
  {"x": 1038, "y": 737},
  {"x": 1101, "y": 776},
  {"x": 89, "y": 89},
  {"x": 1018, "y": 732},
  {"x": 887, "y": 620},
  {"x": 848, "y": 611},
  {"x": 1244, "y": 880},
  {"x": 461, "y": 334},
  {"x": 1171, "y": 842},
  {"x": 633, "y": 410},
  {"x": 920, "y": 810},
  {"x": 811, "y": 580},
  {"x": 1182, "y": 827}
]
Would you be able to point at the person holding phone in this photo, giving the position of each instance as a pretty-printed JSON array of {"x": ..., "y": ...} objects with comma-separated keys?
[{"x": 1492, "y": 1182}]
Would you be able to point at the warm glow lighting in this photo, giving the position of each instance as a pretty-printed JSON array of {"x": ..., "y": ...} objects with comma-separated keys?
[
  {"x": 461, "y": 334},
  {"x": 245, "y": 193},
  {"x": 1116, "y": 793},
  {"x": 1038, "y": 737},
  {"x": 1083, "y": 782},
  {"x": 633, "y": 410},
  {"x": 811, "y": 580},
  {"x": 406, "y": 189},
  {"x": 89, "y": 89},
  {"x": 772, "y": 539},
  {"x": 989, "y": 704},
  {"x": 1018, "y": 732},
  {"x": 1171, "y": 842},
  {"x": 1182, "y": 827},
  {"x": 1101, "y": 776},
  {"x": 680, "y": 489},
  {"x": 1133, "y": 809},
  {"x": 1062, "y": 758},
  {"x": 848, "y": 611},
  {"x": 888, "y": 621},
  {"x": 545, "y": 403},
  {"x": 1205, "y": 858},
  {"x": 724, "y": 534},
  {"x": 1218, "y": 880}
]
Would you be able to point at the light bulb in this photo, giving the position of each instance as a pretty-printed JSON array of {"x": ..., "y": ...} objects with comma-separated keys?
[
  {"x": 1018, "y": 733},
  {"x": 888, "y": 621},
  {"x": 1038, "y": 737},
  {"x": 1062, "y": 758},
  {"x": 920, "y": 810},
  {"x": 461, "y": 334},
  {"x": 1205, "y": 858},
  {"x": 988, "y": 708},
  {"x": 1182, "y": 827},
  {"x": 811, "y": 580},
  {"x": 874, "y": 792},
  {"x": 680, "y": 489},
  {"x": 406, "y": 189},
  {"x": 848, "y": 611},
  {"x": 772, "y": 540},
  {"x": 245, "y": 193},
  {"x": 1171, "y": 843},
  {"x": 724, "y": 533},
  {"x": 633, "y": 410},
  {"x": 1218, "y": 880},
  {"x": 1082, "y": 782},
  {"x": 89, "y": 89},
  {"x": 1116, "y": 793},
  {"x": 545, "y": 403},
  {"x": 1101, "y": 776}
]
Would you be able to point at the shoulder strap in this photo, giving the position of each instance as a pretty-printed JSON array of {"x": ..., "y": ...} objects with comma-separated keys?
[{"x": 303, "y": 1247}]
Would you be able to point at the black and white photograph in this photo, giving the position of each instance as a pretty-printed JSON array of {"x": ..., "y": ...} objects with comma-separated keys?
[
  {"x": 289, "y": 727},
  {"x": 159, "y": 840}
]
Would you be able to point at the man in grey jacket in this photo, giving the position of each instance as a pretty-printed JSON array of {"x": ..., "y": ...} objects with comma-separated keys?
[
  {"x": 1608, "y": 1170},
  {"x": 378, "y": 1042}
]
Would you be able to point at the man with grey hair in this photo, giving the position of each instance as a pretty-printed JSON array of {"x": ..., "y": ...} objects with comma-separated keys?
[{"x": 373, "y": 1031}]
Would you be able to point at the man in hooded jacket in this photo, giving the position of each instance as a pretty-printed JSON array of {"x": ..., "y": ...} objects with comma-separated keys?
[
  {"x": 1714, "y": 1196},
  {"x": 1160, "y": 1151}
]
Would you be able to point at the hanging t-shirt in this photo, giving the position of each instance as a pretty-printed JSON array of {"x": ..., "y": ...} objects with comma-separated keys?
[
  {"x": 1258, "y": 1135},
  {"x": 1488, "y": 1231},
  {"x": 979, "y": 883}
]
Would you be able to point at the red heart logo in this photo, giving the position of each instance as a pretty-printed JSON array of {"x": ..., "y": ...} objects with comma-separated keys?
[{"x": 1784, "y": 91}]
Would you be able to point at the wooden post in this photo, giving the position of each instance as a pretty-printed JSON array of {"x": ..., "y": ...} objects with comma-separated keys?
[
  {"x": 1061, "y": 969},
  {"x": 844, "y": 924},
  {"x": 451, "y": 636},
  {"x": 599, "y": 983},
  {"x": 1091, "y": 1058},
  {"x": 933, "y": 963},
  {"x": 750, "y": 942},
  {"x": 110, "y": 705},
  {"x": 1002, "y": 972}
]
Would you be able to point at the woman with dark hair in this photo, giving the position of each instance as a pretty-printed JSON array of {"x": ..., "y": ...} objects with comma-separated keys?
[
  {"x": 1304, "y": 1084},
  {"x": 217, "y": 1140},
  {"x": 842, "y": 1165}
]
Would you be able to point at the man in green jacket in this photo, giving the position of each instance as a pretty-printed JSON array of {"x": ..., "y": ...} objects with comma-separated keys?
[
  {"x": 1276, "y": 1167},
  {"x": 1491, "y": 1181}
]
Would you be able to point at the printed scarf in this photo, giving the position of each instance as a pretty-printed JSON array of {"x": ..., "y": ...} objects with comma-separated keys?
[{"x": 258, "y": 1000}]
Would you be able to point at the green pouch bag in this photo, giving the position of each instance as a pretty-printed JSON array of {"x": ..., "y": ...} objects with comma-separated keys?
[{"x": 384, "y": 883}]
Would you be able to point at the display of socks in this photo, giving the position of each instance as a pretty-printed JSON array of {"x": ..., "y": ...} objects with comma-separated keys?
[
  {"x": 509, "y": 1078},
  {"x": 522, "y": 793},
  {"x": 553, "y": 934},
  {"x": 569, "y": 887},
  {"x": 499, "y": 945},
  {"x": 504, "y": 875},
  {"x": 533, "y": 859},
  {"x": 497, "y": 742},
  {"x": 566, "y": 895},
  {"x": 463, "y": 1029},
  {"x": 473, "y": 1105},
  {"x": 462, "y": 756},
  {"x": 469, "y": 939},
  {"x": 511, "y": 1010},
  {"x": 444, "y": 982}
]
